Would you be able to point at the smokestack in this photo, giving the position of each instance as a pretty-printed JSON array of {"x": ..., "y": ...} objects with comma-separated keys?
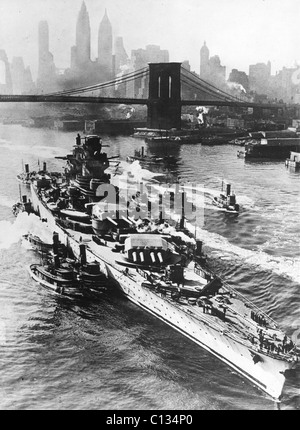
[
  {"x": 44, "y": 167},
  {"x": 26, "y": 168},
  {"x": 55, "y": 249},
  {"x": 82, "y": 254},
  {"x": 172, "y": 198},
  {"x": 198, "y": 247},
  {"x": 160, "y": 209},
  {"x": 24, "y": 199},
  {"x": 228, "y": 189}
]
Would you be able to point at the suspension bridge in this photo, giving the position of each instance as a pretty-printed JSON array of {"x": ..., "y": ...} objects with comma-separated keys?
[{"x": 163, "y": 87}]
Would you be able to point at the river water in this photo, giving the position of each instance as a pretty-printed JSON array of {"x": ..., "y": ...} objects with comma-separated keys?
[{"x": 106, "y": 353}]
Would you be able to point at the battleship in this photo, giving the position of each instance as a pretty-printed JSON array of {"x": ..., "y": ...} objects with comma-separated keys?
[{"x": 160, "y": 266}]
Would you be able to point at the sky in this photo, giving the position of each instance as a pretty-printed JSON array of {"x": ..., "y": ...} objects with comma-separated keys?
[{"x": 241, "y": 32}]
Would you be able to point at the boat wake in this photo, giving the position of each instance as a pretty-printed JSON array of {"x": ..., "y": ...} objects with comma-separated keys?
[
  {"x": 12, "y": 232},
  {"x": 37, "y": 150},
  {"x": 282, "y": 266}
]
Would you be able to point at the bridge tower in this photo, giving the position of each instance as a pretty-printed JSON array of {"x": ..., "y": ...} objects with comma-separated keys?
[{"x": 164, "y": 108}]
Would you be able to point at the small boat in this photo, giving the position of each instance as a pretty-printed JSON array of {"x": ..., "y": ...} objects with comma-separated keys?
[
  {"x": 142, "y": 158},
  {"x": 41, "y": 246},
  {"x": 293, "y": 162},
  {"x": 241, "y": 154},
  {"x": 227, "y": 201},
  {"x": 68, "y": 276}
]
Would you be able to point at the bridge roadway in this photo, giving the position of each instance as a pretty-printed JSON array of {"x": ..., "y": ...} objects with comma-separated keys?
[{"x": 129, "y": 101}]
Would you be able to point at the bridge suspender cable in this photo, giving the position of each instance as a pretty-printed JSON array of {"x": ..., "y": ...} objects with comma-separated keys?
[
  {"x": 197, "y": 79},
  {"x": 118, "y": 80},
  {"x": 202, "y": 89}
]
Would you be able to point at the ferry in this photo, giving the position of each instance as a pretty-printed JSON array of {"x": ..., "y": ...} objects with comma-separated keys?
[{"x": 161, "y": 268}]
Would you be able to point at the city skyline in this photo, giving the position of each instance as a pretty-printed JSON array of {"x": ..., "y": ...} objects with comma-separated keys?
[{"x": 239, "y": 33}]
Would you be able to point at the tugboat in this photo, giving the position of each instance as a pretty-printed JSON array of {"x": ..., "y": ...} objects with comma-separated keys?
[
  {"x": 163, "y": 270},
  {"x": 67, "y": 276},
  {"x": 27, "y": 177},
  {"x": 142, "y": 158},
  {"x": 227, "y": 200}
]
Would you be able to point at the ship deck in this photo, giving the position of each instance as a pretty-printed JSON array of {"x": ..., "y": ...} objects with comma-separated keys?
[{"x": 236, "y": 323}]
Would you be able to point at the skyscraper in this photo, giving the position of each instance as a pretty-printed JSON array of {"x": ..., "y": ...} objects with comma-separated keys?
[
  {"x": 105, "y": 43},
  {"x": 82, "y": 51},
  {"x": 211, "y": 69},
  {"x": 204, "y": 62},
  {"x": 121, "y": 57},
  {"x": 46, "y": 71},
  {"x": 5, "y": 74},
  {"x": 259, "y": 77},
  {"x": 21, "y": 77}
]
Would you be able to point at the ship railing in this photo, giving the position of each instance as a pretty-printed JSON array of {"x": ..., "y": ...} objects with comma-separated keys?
[{"x": 250, "y": 304}]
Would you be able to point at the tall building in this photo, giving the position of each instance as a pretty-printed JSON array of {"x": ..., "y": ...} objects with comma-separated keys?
[
  {"x": 46, "y": 81},
  {"x": 83, "y": 70},
  {"x": 240, "y": 78},
  {"x": 105, "y": 45},
  {"x": 285, "y": 85},
  {"x": 211, "y": 69},
  {"x": 152, "y": 54},
  {"x": 204, "y": 62},
  {"x": 120, "y": 56},
  {"x": 22, "y": 82},
  {"x": 259, "y": 78},
  {"x": 81, "y": 52},
  {"x": 140, "y": 59},
  {"x": 5, "y": 74}
]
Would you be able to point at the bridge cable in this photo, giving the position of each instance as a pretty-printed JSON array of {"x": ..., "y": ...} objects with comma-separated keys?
[{"x": 120, "y": 80}]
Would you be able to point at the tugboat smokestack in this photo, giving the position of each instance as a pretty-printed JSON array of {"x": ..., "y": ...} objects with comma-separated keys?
[
  {"x": 55, "y": 249},
  {"x": 26, "y": 168},
  {"x": 198, "y": 247},
  {"x": 228, "y": 189},
  {"x": 44, "y": 167},
  {"x": 82, "y": 254}
]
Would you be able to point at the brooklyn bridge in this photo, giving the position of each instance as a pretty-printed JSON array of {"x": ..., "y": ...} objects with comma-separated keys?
[{"x": 167, "y": 83}]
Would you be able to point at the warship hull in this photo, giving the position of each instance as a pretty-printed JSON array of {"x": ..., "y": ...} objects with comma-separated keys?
[{"x": 266, "y": 372}]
